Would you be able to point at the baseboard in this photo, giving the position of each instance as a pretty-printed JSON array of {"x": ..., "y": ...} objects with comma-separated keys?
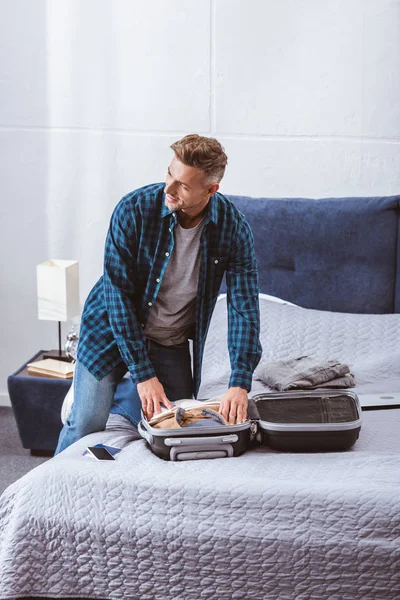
[{"x": 4, "y": 399}]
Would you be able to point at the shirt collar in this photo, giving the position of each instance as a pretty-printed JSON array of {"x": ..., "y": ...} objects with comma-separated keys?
[
  {"x": 211, "y": 215},
  {"x": 164, "y": 209},
  {"x": 213, "y": 208}
]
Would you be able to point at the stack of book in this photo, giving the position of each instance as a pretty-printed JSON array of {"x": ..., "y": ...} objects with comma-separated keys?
[{"x": 52, "y": 368}]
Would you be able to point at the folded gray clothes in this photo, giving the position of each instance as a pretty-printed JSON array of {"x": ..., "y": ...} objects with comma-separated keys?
[{"x": 305, "y": 372}]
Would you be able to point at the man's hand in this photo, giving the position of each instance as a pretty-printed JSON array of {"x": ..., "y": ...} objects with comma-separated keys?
[
  {"x": 151, "y": 394},
  {"x": 233, "y": 405}
]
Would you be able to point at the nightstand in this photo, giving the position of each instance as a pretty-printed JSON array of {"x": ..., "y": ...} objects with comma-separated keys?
[{"x": 36, "y": 401}]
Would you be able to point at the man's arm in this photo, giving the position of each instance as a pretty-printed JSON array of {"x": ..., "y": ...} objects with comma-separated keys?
[
  {"x": 120, "y": 277},
  {"x": 243, "y": 323}
]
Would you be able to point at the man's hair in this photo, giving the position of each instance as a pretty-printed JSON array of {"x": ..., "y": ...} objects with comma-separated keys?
[{"x": 203, "y": 153}]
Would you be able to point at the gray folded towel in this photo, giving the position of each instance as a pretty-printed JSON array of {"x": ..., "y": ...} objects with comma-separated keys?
[{"x": 305, "y": 372}]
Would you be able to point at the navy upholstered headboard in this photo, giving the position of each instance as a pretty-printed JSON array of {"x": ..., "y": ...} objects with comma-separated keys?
[{"x": 337, "y": 254}]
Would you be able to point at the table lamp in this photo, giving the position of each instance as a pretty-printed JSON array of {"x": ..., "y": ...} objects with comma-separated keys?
[{"x": 58, "y": 296}]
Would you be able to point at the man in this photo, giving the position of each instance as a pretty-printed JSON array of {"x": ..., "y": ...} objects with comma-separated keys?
[{"x": 167, "y": 249}]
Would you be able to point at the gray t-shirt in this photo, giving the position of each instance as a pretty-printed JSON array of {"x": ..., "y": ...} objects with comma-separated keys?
[{"x": 174, "y": 311}]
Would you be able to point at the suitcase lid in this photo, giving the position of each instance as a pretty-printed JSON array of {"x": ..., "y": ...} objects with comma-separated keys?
[{"x": 303, "y": 410}]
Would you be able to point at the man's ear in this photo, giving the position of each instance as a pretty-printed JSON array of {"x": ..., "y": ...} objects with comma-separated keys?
[{"x": 213, "y": 188}]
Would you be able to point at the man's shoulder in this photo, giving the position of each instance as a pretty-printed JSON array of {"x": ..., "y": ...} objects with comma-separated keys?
[
  {"x": 148, "y": 195},
  {"x": 142, "y": 204},
  {"x": 225, "y": 207}
]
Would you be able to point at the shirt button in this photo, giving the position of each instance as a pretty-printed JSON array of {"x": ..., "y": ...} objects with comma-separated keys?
[
  {"x": 142, "y": 324},
  {"x": 150, "y": 304},
  {"x": 216, "y": 262},
  {"x": 167, "y": 254},
  {"x": 170, "y": 230},
  {"x": 158, "y": 281}
]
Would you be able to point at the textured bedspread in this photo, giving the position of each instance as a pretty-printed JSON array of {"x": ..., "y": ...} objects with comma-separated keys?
[{"x": 265, "y": 525}]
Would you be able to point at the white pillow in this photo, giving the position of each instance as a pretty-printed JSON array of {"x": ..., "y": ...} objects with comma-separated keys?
[
  {"x": 276, "y": 299},
  {"x": 265, "y": 297},
  {"x": 67, "y": 404}
]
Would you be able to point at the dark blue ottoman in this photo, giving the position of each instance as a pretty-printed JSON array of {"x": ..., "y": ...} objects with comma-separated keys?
[{"x": 36, "y": 401}]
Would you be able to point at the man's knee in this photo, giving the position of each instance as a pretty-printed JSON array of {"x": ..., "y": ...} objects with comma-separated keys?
[{"x": 87, "y": 424}]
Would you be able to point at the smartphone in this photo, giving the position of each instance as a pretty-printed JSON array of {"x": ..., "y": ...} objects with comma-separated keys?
[
  {"x": 100, "y": 453},
  {"x": 112, "y": 449}
]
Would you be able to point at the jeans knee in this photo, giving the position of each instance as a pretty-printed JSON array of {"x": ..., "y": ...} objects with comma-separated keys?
[{"x": 84, "y": 426}]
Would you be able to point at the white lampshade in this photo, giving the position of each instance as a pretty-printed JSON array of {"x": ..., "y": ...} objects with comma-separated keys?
[{"x": 58, "y": 290}]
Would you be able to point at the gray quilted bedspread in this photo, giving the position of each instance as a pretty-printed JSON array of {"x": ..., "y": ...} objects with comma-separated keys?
[{"x": 263, "y": 525}]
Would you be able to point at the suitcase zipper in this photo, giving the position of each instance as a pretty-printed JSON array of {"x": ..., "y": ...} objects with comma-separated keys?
[
  {"x": 253, "y": 427},
  {"x": 325, "y": 411}
]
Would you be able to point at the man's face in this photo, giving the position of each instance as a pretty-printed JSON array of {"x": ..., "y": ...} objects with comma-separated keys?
[{"x": 185, "y": 188}]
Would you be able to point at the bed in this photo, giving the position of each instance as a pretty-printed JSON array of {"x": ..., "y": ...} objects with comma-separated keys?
[{"x": 265, "y": 524}]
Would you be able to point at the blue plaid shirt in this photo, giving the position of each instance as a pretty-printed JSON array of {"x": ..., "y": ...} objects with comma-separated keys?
[{"x": 139, "y": 243}]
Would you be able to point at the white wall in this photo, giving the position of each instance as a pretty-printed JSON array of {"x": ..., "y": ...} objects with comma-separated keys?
[{"x": 303, "y": 95}]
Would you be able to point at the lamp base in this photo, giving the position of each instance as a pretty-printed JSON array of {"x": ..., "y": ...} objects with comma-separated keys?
[{"x": 55, "y": 354}]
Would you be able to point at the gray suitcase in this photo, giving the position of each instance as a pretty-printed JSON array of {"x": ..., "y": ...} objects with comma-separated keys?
[{"x": 190, "y": 443}]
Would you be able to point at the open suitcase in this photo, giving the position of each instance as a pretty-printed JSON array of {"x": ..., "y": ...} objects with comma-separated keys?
[
  {"x": 298, "y": 421},
  {"x": 197, "y": 442}
]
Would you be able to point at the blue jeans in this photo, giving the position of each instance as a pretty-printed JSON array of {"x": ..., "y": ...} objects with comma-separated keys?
[{"x": 94, "y": 399}]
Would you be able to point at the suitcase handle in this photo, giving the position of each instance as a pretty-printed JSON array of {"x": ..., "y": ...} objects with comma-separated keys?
[
  {"x": 201, "y": 452},
  {"x": 145, "y": 434},
  {"x": 202, "y": 441},
  {"x": 199, "y": 442},
  {"x": 195, "y": 448}
]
